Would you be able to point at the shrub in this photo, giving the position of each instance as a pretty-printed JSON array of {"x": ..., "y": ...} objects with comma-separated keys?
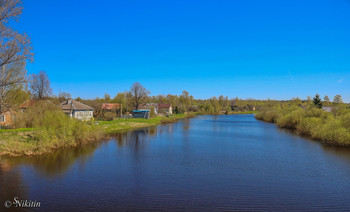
[
  {"x": 53, "y": 126},
  {"x": 34, "y": 114},
  {"x": 109, "y": 116},
  {"x": 290, "y": 120},
  {"x": 269, "y": 115},
  {"x": 331, "y": 128}
]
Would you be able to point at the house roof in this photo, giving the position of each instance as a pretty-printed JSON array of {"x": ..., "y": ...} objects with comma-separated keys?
[
  {"x": 110, "y": 106},
  {"x": 327, "y": 109},
  {"x": 138, "y": 111},
  {"x": 69, "y": 105},
  {"x": 147, "y": 105},
  {"x": 164, "y": 106},
  {"x": 26, "y": 104},
  {"x": 9, "y": 112}
]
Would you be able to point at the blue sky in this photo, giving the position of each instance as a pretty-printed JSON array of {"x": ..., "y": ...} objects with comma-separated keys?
[{"x": 250, "y": 49}]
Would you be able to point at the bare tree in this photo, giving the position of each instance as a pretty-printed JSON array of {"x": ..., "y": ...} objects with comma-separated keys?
[
  {"x": 12, "y": 79},
  {"x": 14, "y": 47},
  {"x": 40, "y": 85},
  {"x": 138, "y": 95},
  {"x": 15, "y": 50},
  {"x": 62, "y": 96},
  {"x": 338, "y": 99}
]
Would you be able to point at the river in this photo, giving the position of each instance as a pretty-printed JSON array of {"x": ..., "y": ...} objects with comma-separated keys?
[{"x": 207, "y": 163}]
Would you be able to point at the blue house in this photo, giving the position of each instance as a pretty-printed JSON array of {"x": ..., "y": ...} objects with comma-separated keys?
[{"x": 140, "y": 114}]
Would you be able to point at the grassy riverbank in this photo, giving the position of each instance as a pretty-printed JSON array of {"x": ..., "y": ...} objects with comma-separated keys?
[
  {"x": 328, "y": 127},
  {"x": 56, "y": 130},
  {"x": 132, "y": 123},
  {"x": 242, "y": 112}
]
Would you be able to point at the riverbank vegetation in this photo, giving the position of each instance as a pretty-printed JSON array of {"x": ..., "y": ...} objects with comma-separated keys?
[
  {"x": 44, "y": 128},
  {"x": 121, "y": 124},
  {"x": 309, "y": 119}
]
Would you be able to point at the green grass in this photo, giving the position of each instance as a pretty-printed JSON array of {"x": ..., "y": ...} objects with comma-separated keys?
[
  {"x": 16, "y": 130},
  {"x": 242, "y": 112},
  {"x": 132, "y": 123}
]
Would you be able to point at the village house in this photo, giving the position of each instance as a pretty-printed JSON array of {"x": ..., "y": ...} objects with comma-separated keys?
[
  {"x": 165, "y": 108},
  {"x": 148, "y": 106},
  {"x": 25, "y": 105},
  {"x": 77, "y": 110},
  {"x": 327, "y": 109},
  {"x": 7, "y": 118},
  {"x": 112, "y": 107},
  {"x": 158, "y": 108}
]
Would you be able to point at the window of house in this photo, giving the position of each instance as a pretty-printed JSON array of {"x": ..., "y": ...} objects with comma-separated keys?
[{"x": 2, "y": 118}]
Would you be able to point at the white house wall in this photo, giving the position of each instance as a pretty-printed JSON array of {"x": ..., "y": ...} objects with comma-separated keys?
[{"x": 83, "y": 115}]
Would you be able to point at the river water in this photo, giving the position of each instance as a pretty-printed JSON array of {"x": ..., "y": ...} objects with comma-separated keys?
[{"x": 208, "y": 163}]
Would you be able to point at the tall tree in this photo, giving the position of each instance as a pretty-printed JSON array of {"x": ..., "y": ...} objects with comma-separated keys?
[
  {"x": 15, "y": 50},
  {"x": 14, "y": 47},
  {"x": 317, "y": 101},
  {"x": 185, "y": 101},
  {"x": 40, "y": 85},
  {"x": 326, "y": 99},
  {"x": 138, "y": 95},
  {"x": 12, "y": 87},
  {"x": 107, "y": 97},
  {"x": 338, "y": 99},
  {"x": 120, "y": 98},
  {"x": 62, "y": 96}
]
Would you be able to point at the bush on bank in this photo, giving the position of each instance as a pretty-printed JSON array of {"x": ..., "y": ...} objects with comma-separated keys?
[
  {"x": 331, "y": 128},
  {"x": 50, "y": 129}
]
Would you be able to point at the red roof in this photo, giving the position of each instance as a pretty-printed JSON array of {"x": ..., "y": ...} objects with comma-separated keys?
[
  {"x": 164, "y": 106},
  {"x": 27, "y": 104},
  {"x": 110, "y": 106}
]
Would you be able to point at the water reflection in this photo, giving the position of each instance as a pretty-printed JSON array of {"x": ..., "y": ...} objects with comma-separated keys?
[
  {"x": 11, "y": 184},
  {"x": 135, "y": 137},
  {"x": 57, "y": 163},
  {"x": 216, "y": 163},
  {"x": 335, "y": 151},
  {"x": 186, "y": 123}
]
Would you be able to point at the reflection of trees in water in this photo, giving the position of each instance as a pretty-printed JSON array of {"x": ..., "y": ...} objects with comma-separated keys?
[
  {"x": 186, "y": 124},
  {"x": 135, "y": 138},
  {"x": 58, "y": 162},
  {"x": 11, "y": 185},
  {"x": 343, "y": 153}
]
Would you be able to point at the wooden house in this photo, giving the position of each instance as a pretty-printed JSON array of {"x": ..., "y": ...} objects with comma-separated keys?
[
  {"x": 165, "y": 108},
  {"x": 77, "y": 110},
  {"x": 25, "y": 105},
  {"x": 7, "y": 118},
  {"x": 112, "y": 107}
]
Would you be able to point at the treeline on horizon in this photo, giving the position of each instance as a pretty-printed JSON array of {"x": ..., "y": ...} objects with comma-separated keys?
[{"x": 37, "y": 87}]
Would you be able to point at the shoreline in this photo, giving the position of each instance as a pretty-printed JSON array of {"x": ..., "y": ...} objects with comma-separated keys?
[
  {"x": 26, "y": 141},
  {"x": 295, "y": 132}
]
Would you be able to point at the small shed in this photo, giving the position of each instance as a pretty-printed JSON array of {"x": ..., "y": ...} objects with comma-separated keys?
[{"x": 140, "y": 114}]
